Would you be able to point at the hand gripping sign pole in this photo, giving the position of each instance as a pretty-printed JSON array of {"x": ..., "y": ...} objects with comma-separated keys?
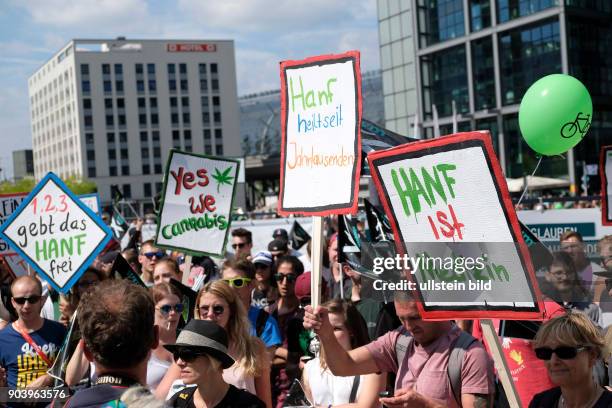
[{"x": 321, "y": 143}]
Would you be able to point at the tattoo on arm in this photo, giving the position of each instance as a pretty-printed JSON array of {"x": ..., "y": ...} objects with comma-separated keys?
[{"x": 481, "y": 400}]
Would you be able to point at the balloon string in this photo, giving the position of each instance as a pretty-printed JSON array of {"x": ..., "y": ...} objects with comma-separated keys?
[{"x": 527, "y": 182}]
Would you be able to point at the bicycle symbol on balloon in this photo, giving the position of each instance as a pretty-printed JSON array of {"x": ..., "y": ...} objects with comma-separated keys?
[{"x": 580, "y": 125}]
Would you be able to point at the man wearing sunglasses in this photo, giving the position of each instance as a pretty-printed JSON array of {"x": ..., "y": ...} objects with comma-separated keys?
[
  {"x": 30, "y": 344},
  {"x": 240, "y": 274},
  {"x": 242, "y": 243},
  {"x": 148, "y": 257}
]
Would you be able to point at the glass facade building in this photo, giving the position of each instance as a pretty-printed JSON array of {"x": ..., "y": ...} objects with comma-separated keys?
[{"x": 473, "y": 60}]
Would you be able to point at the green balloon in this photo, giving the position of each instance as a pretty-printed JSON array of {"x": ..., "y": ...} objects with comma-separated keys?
[{"x": 555, "y": 114}]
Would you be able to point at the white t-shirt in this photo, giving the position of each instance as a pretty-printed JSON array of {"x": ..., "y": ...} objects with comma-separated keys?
[{"x": 327, "y": 388}]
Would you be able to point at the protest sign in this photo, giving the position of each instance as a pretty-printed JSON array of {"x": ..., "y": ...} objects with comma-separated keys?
[
  {"x": 195, "y": 211},
  {"x": 8, "y": 204},
  {"x": 605, "y": 174},
  {"x": 55, "y": 233},
  {"x": 121, "y": 269},
  {"x": 92, "y": 201},
  {"x": 16, "y": 264},
  {"x": 321, "y": 135},
  {"x": 455, "y": 228}
]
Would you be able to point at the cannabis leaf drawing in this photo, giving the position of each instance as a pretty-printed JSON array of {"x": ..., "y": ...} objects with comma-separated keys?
[{"x": 222, "y": 177}]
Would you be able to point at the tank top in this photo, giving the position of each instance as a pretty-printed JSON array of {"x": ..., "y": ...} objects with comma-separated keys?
[
  {"x": 327, "y": 388},
  {"x": 156, "y": 369}
]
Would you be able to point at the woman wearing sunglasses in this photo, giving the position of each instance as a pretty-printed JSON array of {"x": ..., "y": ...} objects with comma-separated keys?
[
  {"x": 201, "y": 352},
  {"x": 570, "y": 345},
  {"x": 168, "y": 309}
]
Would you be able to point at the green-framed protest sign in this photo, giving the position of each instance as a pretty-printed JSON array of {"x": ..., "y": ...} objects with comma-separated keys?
[{"x": 196, "y": 203}]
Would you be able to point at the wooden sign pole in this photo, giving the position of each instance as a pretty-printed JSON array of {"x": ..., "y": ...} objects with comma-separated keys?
[
  {"x": 186, "y": 269},
  {"x": 317, "y": 261},
  {"x": 503, "y": 371}
]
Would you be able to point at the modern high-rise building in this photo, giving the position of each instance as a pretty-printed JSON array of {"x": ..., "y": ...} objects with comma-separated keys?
[
  {"x": 23, "y": 164},
  {"x": 474, "y": 59},
  {"x": 110, "y": 110}
]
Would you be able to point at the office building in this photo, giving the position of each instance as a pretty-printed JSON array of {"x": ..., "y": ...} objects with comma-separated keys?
[
  {"x": 23, "y": 164},
  {"x": 110, "y": 110},
  {"x": 474, "y": 59}
]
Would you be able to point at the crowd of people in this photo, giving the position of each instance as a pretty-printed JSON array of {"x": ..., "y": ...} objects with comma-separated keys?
[{"x": 249, "y": 337}]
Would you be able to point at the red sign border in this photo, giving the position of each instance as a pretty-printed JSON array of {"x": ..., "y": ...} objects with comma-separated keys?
[
  {"x": 604, "y": 186},
  {"x": 351, "y": 208},
  {"x": 506, "y": 202}
]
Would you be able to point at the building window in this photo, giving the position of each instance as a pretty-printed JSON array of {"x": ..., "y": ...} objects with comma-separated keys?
[
  {"x": 152, "y": 85},
  {"x": 110, "y": 138},
  {"x": 214, "y": 84},
  {"x": 205, "y": 119},
  {"x": 144, "y": 137},
  {"x": 172, "y": 85},
  {"x": 127, "y": 191},
  {"x": 140, "y": 86},
  {"x": 125, "y": 170},
  {"x": 186, "y": 118},
  {"x": 88, "y": 120},
  {"x": 171, "y": 69},
  {"x": 123, "y": 139},
  {"x": 158, "y": 170},
  {"x": 440, "y": 21},
  {"x": 444, "y": 78},
  {"x": 151, "y": 69},
  {"x": 480, "y": 14},
  {"x": 91, "y": 172},
  {"x": 106, "y": 69},
  {"x": 173, "y": 102},
  {"x": 153, "y": 103},
  {"x": 138, "y": 69},
  {"x": 176, "y": 139},
  {"x": 511, "y": 9},
  {"x": 213, "y": 68},
  {"x": 217, "y": 118},
  {"x": 219, "y": 149},
  {"x": 203, "y": 85},
  {"x": 120, "y": 103},
  {"x": 119, "y": 86},
  {"x": 174, "y": 119},
  {"x": 146, "y": 169},
  {"x": 84, "y": 69},
  {"x": 202, "y": 69},
  {"x": 85, "y": 87},
  {"x": 183, "y": 68},
  {"x": 159, "y": 186},
  {"x": 185, "y": 102},
  {"x": 108, "y": 103},
  {"x": 118, "y": 69},
  {"x": 86, "y": 103},
  {"x": 110, "y": 121},
  {"x": 184, "y": 86},
  {"x": 527, "y": 54},
  {"x": 484, "y": 77},
  {"x": 121, "y": 120},
  {"x": 216, "y": 101},
  {"x": 142, "y": 120},
  {"x": 154, "y": 119},
  {"x": 147, "y": 190},
  {"x": 144, "y": 152},
  {"x": 112, "y": 154},
  {"x": 204, "y": 102}
]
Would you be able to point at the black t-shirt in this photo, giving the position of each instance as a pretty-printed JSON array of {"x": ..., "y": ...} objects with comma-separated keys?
[
  {"x": 550, "y": 399},
  {"x": 233, "y": 399}
]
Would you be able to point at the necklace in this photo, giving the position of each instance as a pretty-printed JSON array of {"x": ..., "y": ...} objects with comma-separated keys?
[{"x": 589, "y": 404}]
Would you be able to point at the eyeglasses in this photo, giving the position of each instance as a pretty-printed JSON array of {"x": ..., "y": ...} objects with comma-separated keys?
[
  {"x": 238, "y": 282},
  {"x": 239, "y": 245},
  {"x": 216, "y": 309},
  {"x": 31, "y": 299},
  {"x": 166, "y": 309},
  {"x": 158, "y": 254},
  {"x": 280, "y": 276},
  {"x": 563, "y": 352},
  {"x": 186, "y": 355}
]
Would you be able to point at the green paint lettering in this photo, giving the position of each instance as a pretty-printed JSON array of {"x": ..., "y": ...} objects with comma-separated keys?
[
  {"x": 433, "y": 183},
  {"x": 444, "y": 168}
]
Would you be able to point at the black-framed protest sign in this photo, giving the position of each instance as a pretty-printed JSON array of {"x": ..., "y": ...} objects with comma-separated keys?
[
  {"x": 453, "y": 219},
  {"x": 56, "y": 233},
  {"x": 605, "y": 174},
  {"x": 321, "y": 135},
  {"x": 196, "y": 205}
]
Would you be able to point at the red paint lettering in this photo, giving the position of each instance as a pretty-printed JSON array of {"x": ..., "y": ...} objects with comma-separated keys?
[
  {"x": 204, "y": 178},
  {"x": 188, "y": 180},
  {"x": 179, "y": 179}
]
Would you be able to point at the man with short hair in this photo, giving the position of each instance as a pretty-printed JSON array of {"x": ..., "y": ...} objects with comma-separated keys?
[
  {"x": 278, "y": 248},
  {"x": 116, "y": 319},
  {"x": 573, "y": 244},
  {"x": 30, "y": 344},
  {"x": 239, "y": 274},
  {"x": 148, "y": 256},
  {"x": 422, "y": 378},
  {"x": 242, "y": 243}
]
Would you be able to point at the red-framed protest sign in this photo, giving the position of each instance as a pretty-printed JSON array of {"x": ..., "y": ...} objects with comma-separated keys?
[
  {"x": 605, "y": 175},
  {"x": 448, "y": 203},
  {"x": 321, "y": 135}
]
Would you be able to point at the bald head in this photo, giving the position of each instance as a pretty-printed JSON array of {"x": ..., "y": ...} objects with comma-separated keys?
[{"x": 27, "y": 281}]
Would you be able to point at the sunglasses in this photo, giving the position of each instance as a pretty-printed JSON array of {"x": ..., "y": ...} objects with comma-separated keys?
[
  {"x": 239, "y": 245},
  {"x": 563, "y": 352},
  {"x": 216, "y": 309},
  {"x": 166, "y": 309},
  {"x": 186, "y": 355},
  {"x": 237, "y": 282},
  {"x": 158, "y": 254},
  {"x": 31, "y": 300},
  {"x": 279, "y": 277}
]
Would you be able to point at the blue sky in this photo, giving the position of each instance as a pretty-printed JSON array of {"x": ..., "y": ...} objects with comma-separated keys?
[{"x": 265, "y": 32}]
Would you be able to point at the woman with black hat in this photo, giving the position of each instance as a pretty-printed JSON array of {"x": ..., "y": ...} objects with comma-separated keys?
[{"x": 201, "y": 353}]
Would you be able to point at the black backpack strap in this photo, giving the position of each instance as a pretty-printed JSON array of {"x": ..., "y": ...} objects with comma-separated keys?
[
  {"x": 455, "y": 363},
  {"x": 260, "y": 323},
  {"x": 354, "y": 389}
]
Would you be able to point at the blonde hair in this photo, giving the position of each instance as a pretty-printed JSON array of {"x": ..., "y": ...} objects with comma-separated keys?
[
  {"x": 608, "y": 341},
  {"x": 248, "y": 349},
  {"x": 571, "y": 329}
]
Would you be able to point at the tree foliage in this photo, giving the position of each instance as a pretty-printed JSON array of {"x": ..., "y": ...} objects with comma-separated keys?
[{"x": 77, "y": 185}]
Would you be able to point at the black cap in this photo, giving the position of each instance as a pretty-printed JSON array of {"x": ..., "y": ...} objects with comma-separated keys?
[
  {"x": 205, "y": 336},
  {"x": 277, "y": 245},
  {"x": 280, "y": 233}
]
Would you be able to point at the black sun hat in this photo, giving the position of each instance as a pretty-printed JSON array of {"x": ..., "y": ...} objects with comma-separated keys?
[{"x": 204, "y": 336}]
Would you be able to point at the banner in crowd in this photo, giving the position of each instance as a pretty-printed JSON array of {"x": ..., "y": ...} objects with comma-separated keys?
[
  {"x": 121, "y": 269},
  {"x": 8, "y": 205},
  {"x": 16, "y": 265},
  {"x": 92, "y": 201},
  {"x": 55, "y": 233},
  {"x": 375, "y": 137},
  {"x": 540, "y": 254},
  {"x": 321, "y": 135},
  {"x": 378, "y": 223},
  {"x": 196, "y": 207},
  {"x": 298, "y": 236},
  {"x": 451, "y": 213},
  {"x": 605, "y": 174}
]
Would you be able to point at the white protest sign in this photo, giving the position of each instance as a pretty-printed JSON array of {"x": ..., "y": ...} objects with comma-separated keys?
[
  {"x": 605, "y": 173},
  {"x": 321, "y": 144},
  {"x": 16, "y": 264},
  {"x": 8, "y": 204},
  {"x": 92, "y": 201},
  {"x": 55, "y": 233},
  {"x": 196, "y": 205},
  {"x": 451, "y": 214}
]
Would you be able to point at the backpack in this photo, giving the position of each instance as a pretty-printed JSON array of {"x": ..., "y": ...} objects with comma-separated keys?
[
  {"x": 260, "y": 323},
  {"x": 455, "y": 360}
]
